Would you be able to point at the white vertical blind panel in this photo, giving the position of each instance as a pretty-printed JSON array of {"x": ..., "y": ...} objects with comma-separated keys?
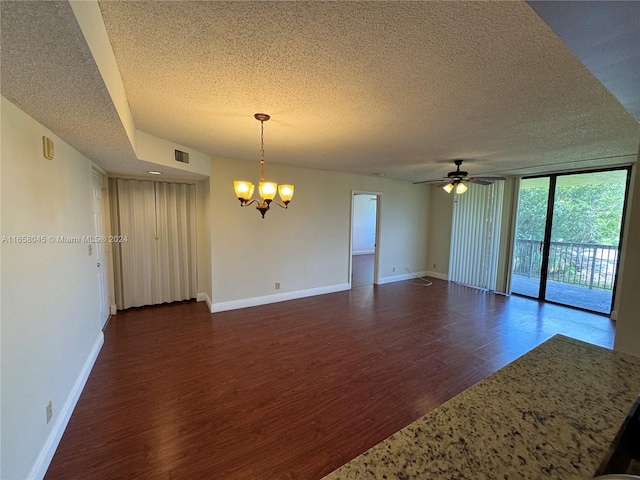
[
  {"x": 475, "y": 236},
  {"x": 136, "y": 204},
  {"x": 176, "y": 217},
  {"x": 497, "y": 203}
]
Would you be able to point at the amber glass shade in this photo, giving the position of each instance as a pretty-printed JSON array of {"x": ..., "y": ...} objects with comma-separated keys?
[
  {"x": 448, "y": 188},
  {"x": 267, "y": 190},
  {"x": 243, "y": 190},
  {"x": 286, "y": 192},
  {"x": 461, "y": 188}
]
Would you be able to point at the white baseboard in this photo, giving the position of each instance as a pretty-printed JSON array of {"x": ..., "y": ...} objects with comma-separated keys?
[
  {"x": 438, "y": 275},
  {"x": 278, "y": 297},
  {"x": 204, "y": 297},
  {"x": 394, "y": 278},
  {"x": 401, "y": 277},
  {"x": 114, "y": 309},
  {"x": 41, "y": 465}
]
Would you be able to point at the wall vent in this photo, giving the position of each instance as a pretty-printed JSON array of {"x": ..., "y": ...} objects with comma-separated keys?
[{"x": 181, "y": 157}]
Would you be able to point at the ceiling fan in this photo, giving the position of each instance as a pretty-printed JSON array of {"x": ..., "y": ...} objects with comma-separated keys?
[{"x": 458, "y": 178}]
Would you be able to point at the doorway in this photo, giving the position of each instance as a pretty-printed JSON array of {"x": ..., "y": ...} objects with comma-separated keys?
[
  {"x": 568, "y": 235},
  {"x": 99, "y": 246},
  {"x": 364, "y": 234}
]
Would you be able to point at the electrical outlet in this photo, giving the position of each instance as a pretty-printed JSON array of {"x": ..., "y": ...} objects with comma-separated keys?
[
  {"x": 277, "y": 285},
  {"x": 434, "y": 265},
  {"x": 49, "y": 411},
  {"x": 394, "y": 269}
]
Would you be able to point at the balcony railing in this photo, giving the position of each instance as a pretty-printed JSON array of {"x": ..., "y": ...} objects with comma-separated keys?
[{"x": 584, "y": 264}]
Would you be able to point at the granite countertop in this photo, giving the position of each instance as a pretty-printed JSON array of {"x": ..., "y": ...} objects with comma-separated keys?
[{"x": 550, "y": 414}]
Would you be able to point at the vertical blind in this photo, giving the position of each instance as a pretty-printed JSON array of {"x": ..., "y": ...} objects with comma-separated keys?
[
  {"x": 475, "y": 236},
  {"x": 156, "y": 261}
]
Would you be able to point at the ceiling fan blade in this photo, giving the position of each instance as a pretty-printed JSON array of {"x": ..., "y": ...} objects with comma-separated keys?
[
  {"x": 481, "y": 181},
  {"x": 459, "y": 176},
  {"x": 432, "y": 181}
]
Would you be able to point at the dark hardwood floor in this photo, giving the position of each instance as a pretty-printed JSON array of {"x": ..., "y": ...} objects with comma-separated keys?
[
  {"x": 291, "y": 390},
  {"x": 362, "y": 267}
]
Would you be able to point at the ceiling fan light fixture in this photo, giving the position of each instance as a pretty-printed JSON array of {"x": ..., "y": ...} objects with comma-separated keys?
[{"x": 457, "y": 180}]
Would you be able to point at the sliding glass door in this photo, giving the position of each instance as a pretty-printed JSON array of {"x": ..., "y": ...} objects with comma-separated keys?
[
  {"x": 530, "y": 228},
  {"x": 567, "y": 238}
]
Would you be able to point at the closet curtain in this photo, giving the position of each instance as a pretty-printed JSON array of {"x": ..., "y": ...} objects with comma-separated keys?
[
  {"x": 157, "y": 261},
  {"x": 475, "y": 236}
]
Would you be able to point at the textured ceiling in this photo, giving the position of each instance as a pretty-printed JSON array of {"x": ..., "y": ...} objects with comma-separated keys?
[
  {"x": 398, "y": 88},
  {"x": 47, "y": 70},
  {"x": 605, "y": 36},
  {"x": 55, "y": 80}
]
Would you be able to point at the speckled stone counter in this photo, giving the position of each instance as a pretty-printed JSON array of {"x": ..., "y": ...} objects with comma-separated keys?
[{"x": 551, "y": 414}]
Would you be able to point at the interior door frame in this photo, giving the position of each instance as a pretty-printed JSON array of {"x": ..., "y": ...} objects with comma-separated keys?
[
  {"x": 96, "y": 247},
  {"x": 546, "y": 247},
  {"x": 377, "y": 235}
]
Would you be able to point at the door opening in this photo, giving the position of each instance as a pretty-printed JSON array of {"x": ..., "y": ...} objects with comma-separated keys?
[{"x": 364, "y": 234}]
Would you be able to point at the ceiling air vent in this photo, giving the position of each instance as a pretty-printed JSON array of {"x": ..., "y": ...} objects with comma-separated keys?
[{"x": 182, "y": 157}]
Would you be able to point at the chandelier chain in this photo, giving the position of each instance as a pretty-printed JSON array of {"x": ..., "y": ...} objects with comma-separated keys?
[{"x": 262, "y": 150}]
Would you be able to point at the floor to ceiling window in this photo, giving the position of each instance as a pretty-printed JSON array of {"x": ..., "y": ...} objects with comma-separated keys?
[{"x": 568, "y": 236}]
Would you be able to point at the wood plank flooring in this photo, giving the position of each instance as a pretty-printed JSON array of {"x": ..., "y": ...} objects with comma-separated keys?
[
  {"x": 362, "y": 270},
  {"x": 291, "y": 390}
]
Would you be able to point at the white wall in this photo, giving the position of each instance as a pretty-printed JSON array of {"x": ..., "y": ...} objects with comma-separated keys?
[
  {"x": 161, "y": 152},
  {"x": 50, "y": 330},
  {"x": 440, "y": 218},
  {"x": 203, "y": 241},
  {"x": 305, "y": 248},
  {"x": 364, "y": 224},
  {"x": 404, "y": 229},
  {"x": 628, "y": 320}
]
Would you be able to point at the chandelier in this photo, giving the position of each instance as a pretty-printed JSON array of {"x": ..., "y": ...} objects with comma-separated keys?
[{"x": 267, "y": 190}]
